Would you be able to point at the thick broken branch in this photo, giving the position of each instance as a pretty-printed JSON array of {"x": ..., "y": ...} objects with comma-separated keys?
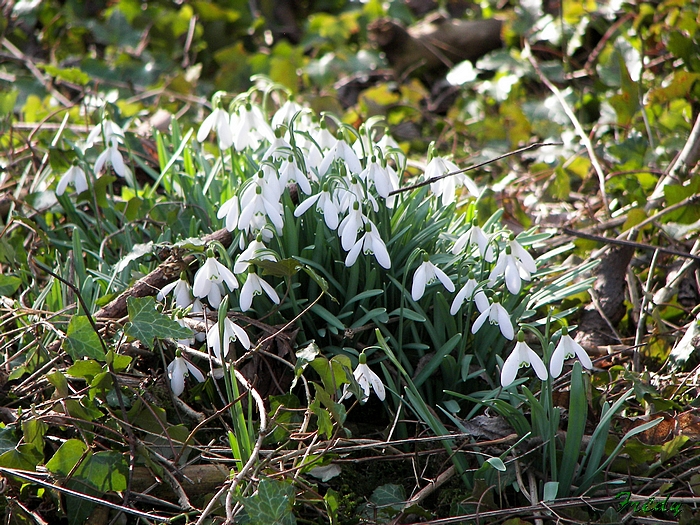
[
  {"x": 435, "y": 44},
  {"x": 167, "y": 272}
]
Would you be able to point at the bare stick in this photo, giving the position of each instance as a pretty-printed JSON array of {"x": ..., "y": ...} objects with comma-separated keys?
[
  {"x": 687, "y": 159},
  {"x": 622, "y": 242},
  {"x": 475, "y": 166},
  {"x": 577, "y": 126}
]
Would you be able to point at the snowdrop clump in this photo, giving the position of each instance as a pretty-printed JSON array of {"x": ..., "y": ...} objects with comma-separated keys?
[{"x": 288, "y": 171}]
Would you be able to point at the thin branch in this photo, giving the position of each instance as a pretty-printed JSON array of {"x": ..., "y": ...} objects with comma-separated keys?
[
  {"x": 33, "y": 477},
  {"x": 475, "y": 166},
  {"x": 35, "y": 71},
  {"x": 687, "y": 159},
  {"x": 577, "y": 126},
  {"x": 622, "y": 242}
]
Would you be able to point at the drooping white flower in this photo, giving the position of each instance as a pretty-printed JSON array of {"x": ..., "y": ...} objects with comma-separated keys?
[
  {"x": 209, "y": 281},
  {"x": 256, "y": 250},
  {"x": 285, "y": 114},
  {"x": 181, "y": 290},
  {"x": 325, "y": 205},
  {"x": 475, "y": 235},
  {"x": 220, "y": 121},
  {"x": 515, "y": 264},
  {"x": 114, "y": 156},
  {"x": 232, "y": 333},
  {"x": 350, "y": 227},
  {"x": 379, "y": 175},
  {"x": 341, "y": 151},
  {"x": 522, "y": 355},
  {"x": 370, "y": 244},
  {"x": 74, "y": 175},
  {"x": 257, "y": 205},
  {"x": 231, "y": 211},
  {"x": 565, "y": 349},
  {"x": 290, "y": 171},
  {"x": 466, "y": 292},
  {"x": 323, "y": 137},
  {"x": 255, "y": 285},
  {"x": 280, "y": 148},
  {"x": 354, "y": 191},
  {"x": 178, "y": 370},
  {"x": 105, "y": 130},
  {"x": 367, "y": 379},
  {"x": 445, "y": 188},
  {"x": 496, "y": 314},
  {"x": 426, "y": 274},
  {"x": 250, "y": 127}
]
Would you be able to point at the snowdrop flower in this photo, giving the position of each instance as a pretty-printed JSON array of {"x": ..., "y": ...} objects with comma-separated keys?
[
  {"x": 290, "y": 171},
  {"x": 323, "y": 137},
  {"x": 253, "y": 286},
  {"x": 258, "y": 205},
  {"x": 232, "y": 333},
  {"x": 220, "y": 122},
  {"x": 522, "y": 355},
  {"x": 475, "y": 235},
  {"x": 251, "y": 253},
  {"x": 349, "y": 228},
  {"x": 388, "y": 144},
  {"x": 178, "y": 370},
  {"x": 181, "y": 290},
  {"x": 251, "y": 127},
  {"x": 354, "y": 192},
  {"x": 231, "y": 211},
  {"x": 285, "y": 114},
  {"x": 381, "y": 177},
  {"x": 445, "y": 188},
  {"x": 325, "y": 205},
  {"x": 209, "y": 281},
  {"x": 74, "y": 175},
  {"x": 567, "y": 348},
  {"x": 496, "y": 314},
  {"x": 341, "y": 151},
  {"x": 426, "y": 274},
  {"x": 114, "y": 156},
  {"x": 110, "y": 129},
  {"x": 366, "y": 378},
  {"x": 370, "y": 244},
  {"x": 515, "y": 264},
  {"x": 466, "y": 292}
]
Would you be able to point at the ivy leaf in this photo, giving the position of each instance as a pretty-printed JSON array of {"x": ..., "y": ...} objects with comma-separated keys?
[
  {"x": 105, "y": 471},
  {"x": 325, "y": 423},
  {"x": 388, "y": 495},
  {"x": 139, "y": 250},
  {"x": 8, "y": 441},
  {"x": 82, "y": 340},
  {"x": 272, "y": 505},
  {"x": 283, "y": 268},
  {"x": 146, "y": 323},
  {"x": 9, "y": 284},
  {"x": 66, "y": 457}
]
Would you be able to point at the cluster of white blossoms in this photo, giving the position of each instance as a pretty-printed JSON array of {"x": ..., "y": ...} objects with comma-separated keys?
[
  {"x": 344, "y": 177},
  {"x": 112, "y": 136},
  {"x": 524, "y": 356}
]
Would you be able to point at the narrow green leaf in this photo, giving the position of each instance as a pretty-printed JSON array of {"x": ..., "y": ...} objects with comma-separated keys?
[{"x": 578, "y": 414}]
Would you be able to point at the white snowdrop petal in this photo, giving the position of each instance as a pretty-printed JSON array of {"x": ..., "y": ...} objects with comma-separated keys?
[
  {"x": 445, "y": 280},
  {"x": 419, "y": 281},
  {"x": 196, "y": 373}
]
